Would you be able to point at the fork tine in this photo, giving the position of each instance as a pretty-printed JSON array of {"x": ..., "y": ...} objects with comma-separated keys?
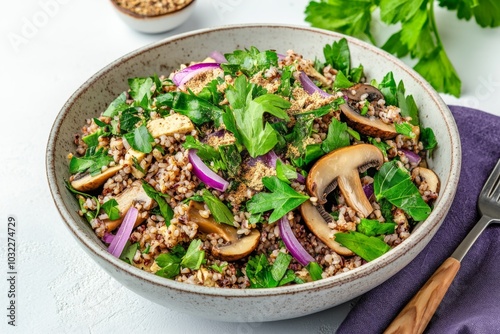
[{"x": 492, "y": 183}]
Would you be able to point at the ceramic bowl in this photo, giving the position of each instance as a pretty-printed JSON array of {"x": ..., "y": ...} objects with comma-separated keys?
[
  {"x": 157, "y": 23},
  {"x": 250, "y": 304}
]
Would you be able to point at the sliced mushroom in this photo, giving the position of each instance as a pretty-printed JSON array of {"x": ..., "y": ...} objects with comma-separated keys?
[
  {"x": 236, "y": 246},
  {"x": 355, "y": 93},
  {"x": 88, "y": 182},
  {"x": 342, "y": 167},
  {"x": 126, "y": 199},
  {"x": 428, "y": 176},
  {"x": 370, "y": 127},
  {"x": 167, "y": 126},
  {"x": 319, "y": 226}
]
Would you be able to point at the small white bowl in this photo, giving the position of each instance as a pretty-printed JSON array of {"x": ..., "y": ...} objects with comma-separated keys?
[{"x": 157, "y": 23}]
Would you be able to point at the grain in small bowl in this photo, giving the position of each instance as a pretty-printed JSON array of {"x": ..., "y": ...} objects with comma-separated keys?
[
  {"x": 250, "y": 304},
  {"x": 154, "y": 16}
]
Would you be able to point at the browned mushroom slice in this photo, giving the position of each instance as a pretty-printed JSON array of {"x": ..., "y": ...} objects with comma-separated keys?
[
  {"x": 370, "y": 127},
  {"x": 363, "y": 92},
  {"x": 126, "y": 199},
  {"x": 319, "y": 226},
  {"x": 236, "y": 246},
  {"x": 88, "y": 182},
  {"x": 167, "y": 126},
  {"x": 428, "y": 176},
  {"x": 342, "y": 167}
]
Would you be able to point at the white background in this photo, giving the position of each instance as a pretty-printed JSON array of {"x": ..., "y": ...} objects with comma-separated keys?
[{"x": 59, "y": 289}]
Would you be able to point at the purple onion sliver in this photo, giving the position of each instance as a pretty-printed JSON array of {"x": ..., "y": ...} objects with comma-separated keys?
[
  {"x": 292, "y": 244},
  {"x": 310, "y": 87},
  {"x": 184, "y": 75},
  {"x": 218, "y": 57},
  {"x": 281, "y": 56},
  {"x": 368, "y": 190},
  {"x": 413, "y": 157},
  {"x": 108, "y": 237},
  {"x": 300, "y": 178},
  {"x": 120, "y": 240},
  {"x": 205, "y": 174}
]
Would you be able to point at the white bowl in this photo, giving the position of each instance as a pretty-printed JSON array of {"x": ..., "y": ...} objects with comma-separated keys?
[
  {"x": 250, "y": 304},
  {"x": 155, "y": 24}
]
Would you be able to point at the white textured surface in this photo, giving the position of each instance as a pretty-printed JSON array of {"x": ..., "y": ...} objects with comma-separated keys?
[{"x": 59, "y": 288}]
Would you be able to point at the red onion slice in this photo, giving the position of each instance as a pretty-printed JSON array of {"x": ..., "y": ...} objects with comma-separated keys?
[
  {"x": 292, "y": 244},
  {"x": 218, "y": 57},
  {"x": 205, "y": 174},
  {"x": 119, "y": 241},
  {"x": 413, "y": 157},
  {"x": 310, "y": 87},
  {"x": 183, "y": 76},
  {"x": 108, "y": 237},
  {"x": 368, "y": 190}
]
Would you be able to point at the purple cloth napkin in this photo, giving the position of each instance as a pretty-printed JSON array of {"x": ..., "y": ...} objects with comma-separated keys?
[{"x": 472, "y": 304}]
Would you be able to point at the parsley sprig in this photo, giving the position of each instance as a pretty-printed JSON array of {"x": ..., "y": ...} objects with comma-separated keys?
[{"x": 418, "y": 37}]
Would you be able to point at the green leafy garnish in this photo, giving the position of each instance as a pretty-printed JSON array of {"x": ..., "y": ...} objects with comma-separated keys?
[
  {"x": 140, "y": 91},
  {"x": 406, "y": 129},
  {"x": 248, "y": 115},
  {"x": 219, "y": 268},
  {"x": 204, "y": 151},
  {"x": 119, "y": 104},
  {"x": 338, "y": 56},
  {"x": 372, "y": 227},
  {"x": 285, "y": 172},
  {"x": 281, "y": 200},
  {"x": 261, "y": 274},
  {"x": 218, "y": 209},
  {"x": 91, "y": 162},
  {"x": 111, "y": 209},
  {"x": 394, "y": 184},
  {"x": 428, "y": 140},
  {"x": 249, "y": 62},
  {"x": 314, "y": 270},
  {"x": 417, "y": 32},
  {"x": 129, "y": 251},
  {"x": 231, "y": 158},
  {"x": 172, "y": 262},
  {"x": 368, "y": 248},
  {"x": 337, "y": 136},
  {"x": 140, "y": 139},
  {"x": 129, "y": 119},
  {"x": 166, "y": 211},
  {"x": 88, "y": 214}
]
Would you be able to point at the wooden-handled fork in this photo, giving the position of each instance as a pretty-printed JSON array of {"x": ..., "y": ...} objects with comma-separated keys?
[{"x": 418, "y": 312}]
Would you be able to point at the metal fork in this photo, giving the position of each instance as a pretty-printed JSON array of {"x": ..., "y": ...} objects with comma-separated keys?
[{"x": 418, "y": 312}]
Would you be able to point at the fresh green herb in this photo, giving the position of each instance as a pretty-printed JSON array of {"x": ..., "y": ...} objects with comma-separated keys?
[
  {"x": 248, "y": 115},
  {"x": 119, "y": 104},
  {"x": 372, "y": 227},
  {"x": 364, "y": 109},
  {"x": 314, "y": 270},
  {"x": 211, "y": 92},
  {"x": 407, "y": 105},
  {"x": 204, "y": 151},
  {"x": 249, "y": 61},
  {"x": 285, "y": 172},
  {"x": 341, "y": 81},
  {"x": 92, "y": 140},
  {"x": 261, "y": 274},
  {"x": 428, "y": 140},
  {"x": 231, "y": 158},
  {"x": 165, "y": 209},
  {"x": 406, "y": 129},
  {"x": 140, "y": 139},
  {"x": 417, "y": 35},
  {"x": 337, "y": 136},
  {"x": 285, "y": 88},
  {"x": 368, "y": 248},
  {"x": 129, "y": 251},
  {"x": 389, "y": 89},
  {"x": 394, "y": 184},
  {"x": 312, "y": 152},
  {"x": 197, "y": 109},
  {"x": 147, "y": 250},
  {"x": 381, "y": 145},
  {"x": 338, "y": 56},
  {"x": 140, "y": 91},
  {"x": 219, "y": 268},
  {"x": 137, "y": 165},
  {"x": 354, "y": 134},
  {"x": 172, "y": 262},
  {"x": 88, "y": 214},
  {"x": 194, "y": 255},
  {"x": 386, "y": 209},
  {"x": 129, "y": 119},
  {"x": 111, "y": 209},
  {"x": 91, "y": 162},
  {"x": 219, "y": 210},
  {"x": 281, "y": 200}
]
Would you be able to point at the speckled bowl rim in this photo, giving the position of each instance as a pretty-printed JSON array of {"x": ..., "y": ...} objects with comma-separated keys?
[
  {"x": 148, "y": 17},
  {"x": 430, "y": 225}
]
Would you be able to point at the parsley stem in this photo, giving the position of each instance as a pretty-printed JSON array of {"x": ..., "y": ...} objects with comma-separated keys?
[{"x": 433, "y": 24}]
